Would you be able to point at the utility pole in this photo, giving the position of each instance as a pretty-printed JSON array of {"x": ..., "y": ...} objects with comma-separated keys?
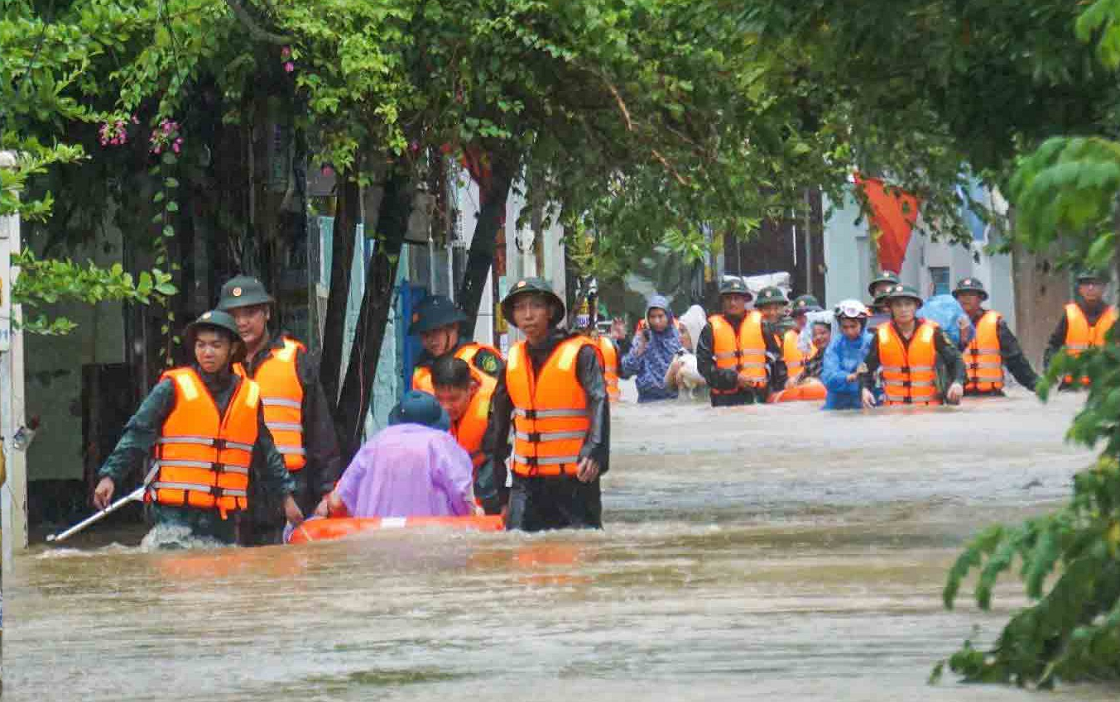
[{"x": 13, "y": 493}]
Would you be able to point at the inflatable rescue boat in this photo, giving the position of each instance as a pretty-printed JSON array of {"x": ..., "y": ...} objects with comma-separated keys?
[{"x": 337, "y": 528}]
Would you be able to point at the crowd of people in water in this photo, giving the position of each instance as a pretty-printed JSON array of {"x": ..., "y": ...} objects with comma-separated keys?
[{"x": 238, "y": 447}]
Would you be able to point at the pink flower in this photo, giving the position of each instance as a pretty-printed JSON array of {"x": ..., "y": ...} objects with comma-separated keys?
[
  {"x": 175, "y": 147},
  {"x": 135, "y": 120},
  {"x": 289, "y": 67},
  {"x": 327, "y": 171},
  {"x": 285, "y": 52}
]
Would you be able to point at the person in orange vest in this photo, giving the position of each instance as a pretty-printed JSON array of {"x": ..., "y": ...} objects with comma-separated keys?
[
  {"x": 203, "y": 425},
  {"x": 554, "y": 395},
  {"x": 739, "y": 358},
  {"x": 584, "y": 323},
  {"x": 1085, "y": 324},
  {"x": 908, "y": 351},
  {"x": 795, "y": 359},
  {"x": 466, "y": 395},
  {"x": 296, "y": 409},
  {"x": 436, "y": 321},
  {"x": 992, "y": 347}
]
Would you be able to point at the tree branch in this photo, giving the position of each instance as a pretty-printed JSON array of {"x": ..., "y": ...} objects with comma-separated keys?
[{"x": 255, "y": 29}]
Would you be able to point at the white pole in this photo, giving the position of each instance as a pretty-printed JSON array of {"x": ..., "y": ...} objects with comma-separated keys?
[{"x": 13, "y": 493}]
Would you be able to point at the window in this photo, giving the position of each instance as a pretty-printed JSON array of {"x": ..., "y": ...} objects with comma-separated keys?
[{"x": 939, "y": 279}]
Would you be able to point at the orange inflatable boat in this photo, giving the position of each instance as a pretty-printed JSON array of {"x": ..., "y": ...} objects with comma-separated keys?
[
  {"x": 337, "y": 528},
  {"x": 811, "y": 389}
]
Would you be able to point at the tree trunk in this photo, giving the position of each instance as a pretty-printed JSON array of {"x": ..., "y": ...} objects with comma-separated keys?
[
  {"x": 381, "y": 276},
  {"x": 491, "y": 217},
  {"x": 342, "y": 259}
]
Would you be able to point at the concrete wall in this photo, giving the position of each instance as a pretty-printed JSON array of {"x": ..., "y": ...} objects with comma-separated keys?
[
  {"x": 53, "y": 371},
  {"x": 851, "y": 264}
]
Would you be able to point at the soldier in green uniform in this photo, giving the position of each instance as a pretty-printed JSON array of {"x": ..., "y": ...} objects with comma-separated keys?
[{"x": 217, "y": 345}]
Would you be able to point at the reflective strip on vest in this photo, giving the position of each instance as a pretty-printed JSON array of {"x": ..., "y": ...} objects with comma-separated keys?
[
  {"x": 282, "y": 397},
  {"x": 551, "y": 417},
  {"x": 983, "y": 359},
  {"x": 908, "y": 372},
  {"x": 1080, "y": 336},
  {"x": 202, "y": 458},
  {"x": 744, "y": 352}
]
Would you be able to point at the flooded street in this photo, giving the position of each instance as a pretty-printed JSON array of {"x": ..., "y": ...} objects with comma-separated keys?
[{"x": 778, "y": 552}]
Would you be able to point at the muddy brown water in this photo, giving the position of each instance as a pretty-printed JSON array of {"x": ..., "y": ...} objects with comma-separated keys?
[{"x": 775, "y": 552}]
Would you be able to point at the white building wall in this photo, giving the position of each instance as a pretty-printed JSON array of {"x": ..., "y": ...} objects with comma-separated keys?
[{"x": 850, "y": 263}]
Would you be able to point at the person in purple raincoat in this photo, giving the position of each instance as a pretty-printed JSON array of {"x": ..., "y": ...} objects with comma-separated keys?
[{"x": 413, "y": 468}]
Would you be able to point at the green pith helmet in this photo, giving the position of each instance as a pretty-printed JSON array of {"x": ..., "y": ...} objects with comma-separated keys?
[
  {"x": 243, "y": 291},
  {"x": 971, "y": 285},
  {"x": 215, "y": 319},
  {"x": 770, "y": 296},
  {"x": 902, "y": 292},
  {"x": 734, "y": 285},
  {"x": 804, "y": 304},
  {"x": 533, "y": 285},
  {"x": 434, "y": 312},
  {"x": 883, "y": 277},
  {"x": 1087, "y": 274}
]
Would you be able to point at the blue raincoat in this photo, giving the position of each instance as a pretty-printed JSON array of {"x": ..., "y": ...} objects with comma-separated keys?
[
  {"x": 841, "y": 359},
  {"x": 650, "y": 367}
]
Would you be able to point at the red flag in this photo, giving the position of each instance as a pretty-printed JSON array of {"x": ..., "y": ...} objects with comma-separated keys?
[{"x": 893, "y": 213}]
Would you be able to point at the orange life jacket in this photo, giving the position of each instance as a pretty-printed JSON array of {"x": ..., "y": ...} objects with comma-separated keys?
[
  {"x": 471, "y": 427},
  {"x": 909, "y": 373},
  {"x": 551, "y": 418},
  {"x": 794, "y": 358},
  {"x": 745, "y": 353},
  {"x": 422, "y": 375},
  {"x": 282, "y": 397},
  {"x": 610, "y": 367},
  {"x": 1080, "y": 336},
  {"x": 983, "y": 359},
  {"x": 202, "y": 460}
]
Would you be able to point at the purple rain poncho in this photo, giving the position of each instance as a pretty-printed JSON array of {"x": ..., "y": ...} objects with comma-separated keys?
[{"x": 408, "y": 470}]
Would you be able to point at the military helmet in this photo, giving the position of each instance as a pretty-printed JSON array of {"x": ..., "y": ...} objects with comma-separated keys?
[
  {"x": 434, "y": 312},
  {"x": 902, "y": 292},
  {"x": 734, "y": 285},
  {"x": 533, "y": 285},
  {"x": 243, "y": 291},
  {"x": 1087, "y": 274},
  {"x": 215, "y": 319},
  {"x": 883, "y": 277},
  {"x": 971, "y": 285},
  {"x": 770, "y": 296},
  {"x": 805, "y": 303}
]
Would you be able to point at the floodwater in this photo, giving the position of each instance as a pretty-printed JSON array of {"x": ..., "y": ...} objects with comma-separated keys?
[{"x": 774, "y": 552}]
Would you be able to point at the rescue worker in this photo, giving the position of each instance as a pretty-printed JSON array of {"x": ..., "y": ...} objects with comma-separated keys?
[
  {"x": 741, "y": 362},
  {"x": 554, "y": 393},
  {"x": 845, "y": 355},
  {"x": 794, "y": 358},
  {"x": 436, "y": 320},
  {"x": 1085, "y": 324},
  {"x": 877, "y": 289},
  {"x": 466, "y": 395},
  {"x": 992, "y": 347},
  {"x": 801, "y": 306},
  {"x": 908, "y": 350},
  {"x": 203, "y": 425},
  {"x": 295, "y": 409}
]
